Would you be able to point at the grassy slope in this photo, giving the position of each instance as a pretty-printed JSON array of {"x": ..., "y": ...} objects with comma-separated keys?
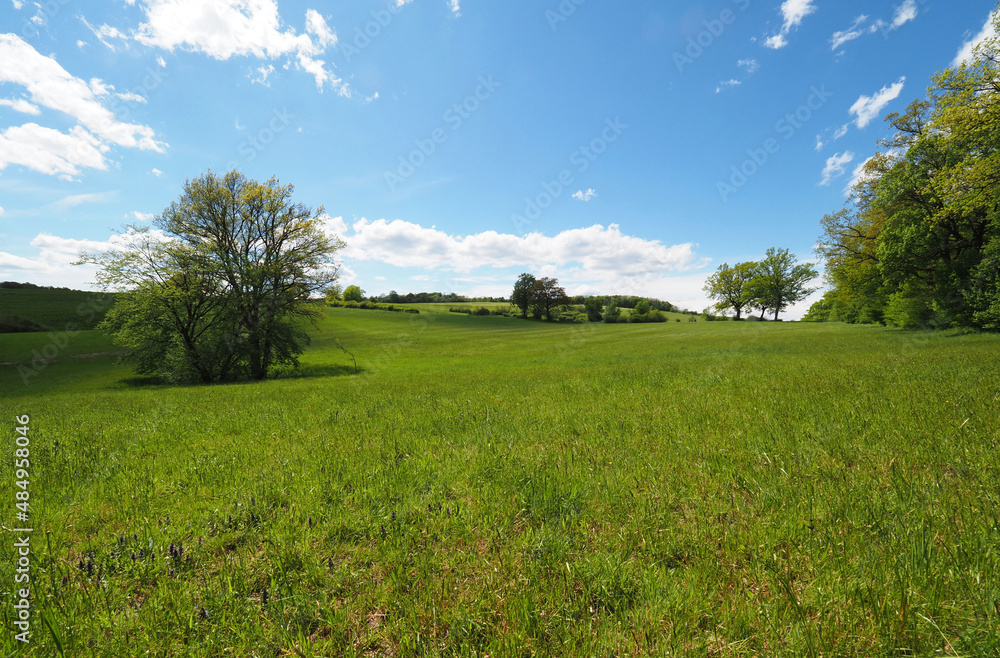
[
  {"x": 53, "y": 309},
  {"x": 489, "y": 485}
]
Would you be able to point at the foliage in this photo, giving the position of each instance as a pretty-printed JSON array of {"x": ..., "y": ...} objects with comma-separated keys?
[
  {"x": 521, "y": 297},
  {"x": 917, "y": 243},
  {"x": 730, "y": 286},
  {"x": 221, "y": 291},
  {"x": 593, "y": 308},
  {"x": 612, "y": 313},
  {"x": 353, "y": 294},
  {"x": 372, "y": 306},
  {"x": 779, "y": 281}
]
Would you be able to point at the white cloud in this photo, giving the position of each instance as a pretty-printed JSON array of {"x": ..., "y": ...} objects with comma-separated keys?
[
  {"x": 454, "y": 7},
  {"x": 819, "y": 142},
  {"x": 50, "y": 85},
  {"x": 750, "y": 65},
  {"x": 585, "y": 196},
  {"x": 840, "y": 38},
  {"x": 867, "y": 108},
  {"x": 373, "y": 97},
  {"x": 1, "y": 211},
  {"x": 776, "y": 42},
  {"x": 792, "y": 12},
  {"x": 727, "y": 83},
  {"x": 53, "y": 262},
  {"x": 840, "y": 132},
  {"x": 156, "y": 172},
  {"x": 131, "y": 97},
  {"x": 965, "y": 53},
  {"x": 598, "y": 250},
  {"x": 20, "y": 105},
  {"x": 80, "y": 43},
  {"x": 18, "y": 3},
  {"x": 226, "y": 28},
  {"x": 161, "y": 62},
  {"x": 316, "y": 26},
  {"x": 142, "y": 216},
  {"x": 905, "y": 13},
  {"x": 50, "y": 151},
  {"x": 835, "y": 165},
  {"x": 263, "y": 72}
]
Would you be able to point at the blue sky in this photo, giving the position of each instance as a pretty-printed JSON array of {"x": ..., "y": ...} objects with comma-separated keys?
[{"x": 621, "y": 147}]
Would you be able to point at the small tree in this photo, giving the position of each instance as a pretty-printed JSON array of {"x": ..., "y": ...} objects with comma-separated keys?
[
  {"x": 521, "y": 296},
  {"x": 612, "y": 313},
  {"x": 593, "y": 307},
  {"x": 354, "y": 294},
  {"x": 546, "y": 296},
  {"x": 333, "y": 293}
]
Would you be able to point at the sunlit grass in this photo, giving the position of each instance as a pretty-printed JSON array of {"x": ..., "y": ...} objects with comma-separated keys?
[{"x": 489, "y": 485}]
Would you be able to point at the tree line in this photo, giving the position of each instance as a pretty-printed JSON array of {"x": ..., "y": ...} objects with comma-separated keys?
[
  {"x": 918, "y": 243},
  {"x": 769, "y": 285}
]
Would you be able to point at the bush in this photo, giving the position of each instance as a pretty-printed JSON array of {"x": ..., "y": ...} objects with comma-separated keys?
[
  {"x": 14, "y": 324},
  {"x": 371, "y": 306}
]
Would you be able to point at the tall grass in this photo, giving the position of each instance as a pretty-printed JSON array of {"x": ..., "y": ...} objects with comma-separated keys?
[{"x": 502, "y": 487}]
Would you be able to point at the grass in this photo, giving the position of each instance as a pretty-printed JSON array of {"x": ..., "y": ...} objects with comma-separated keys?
[
  {"x": 487, "y": 485},
  {"x": 53, "y": 309}
]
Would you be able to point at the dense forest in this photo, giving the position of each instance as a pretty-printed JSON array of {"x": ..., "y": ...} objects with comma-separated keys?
[{"x": 918, "y": 243}]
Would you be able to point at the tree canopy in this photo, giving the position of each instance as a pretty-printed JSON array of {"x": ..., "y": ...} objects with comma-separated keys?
[
  {"x": 220, "y": 290},
  {"x": 918, "y": 243},
  {"x": 771, "y": 284}
]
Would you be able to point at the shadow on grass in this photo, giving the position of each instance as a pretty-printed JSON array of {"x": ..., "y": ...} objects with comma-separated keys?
[{"x": 303, "y": 372}]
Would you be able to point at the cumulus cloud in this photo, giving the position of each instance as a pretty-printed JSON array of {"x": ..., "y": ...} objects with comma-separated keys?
[
  {"x": 223, "y": 29},
  {"x": 965, "y": 53},
  {"x": 52, "y": 264},
  {"x": 792, "y": 13},
  {"x": 750, "y": 65},
  {"x": 596, "y": 248},
  {"x": 867, "y": 108},
  {"x": 142, "y": 216},
  {"x": 48, "y": 84},
  {"x": 156, "y": 172},
  {"x": 585, "y": 196},
  {"x": 454, "y": 7},
  {"x": 835, "y": 165}
]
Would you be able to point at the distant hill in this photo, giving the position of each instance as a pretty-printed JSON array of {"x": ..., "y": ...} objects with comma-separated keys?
[{"x": 27, "y": 307}]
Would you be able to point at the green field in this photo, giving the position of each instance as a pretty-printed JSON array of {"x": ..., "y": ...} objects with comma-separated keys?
[
  {"x": 493, "y": 486},
  {"x": 53, "y": 309}
]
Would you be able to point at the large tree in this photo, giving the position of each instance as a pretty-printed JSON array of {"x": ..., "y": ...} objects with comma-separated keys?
[
  {"x": 730, "y": 287},
  {"x": 917, "y": 244},
  {"x": 521, "y": 296},
  {"x": 221, "y": 289},
  {"x": 546, "y": 296},
  {"x": 779, "y": 281}
]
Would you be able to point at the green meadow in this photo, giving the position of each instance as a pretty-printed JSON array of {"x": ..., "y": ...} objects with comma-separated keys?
[{"x": 501, "y": 487}]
